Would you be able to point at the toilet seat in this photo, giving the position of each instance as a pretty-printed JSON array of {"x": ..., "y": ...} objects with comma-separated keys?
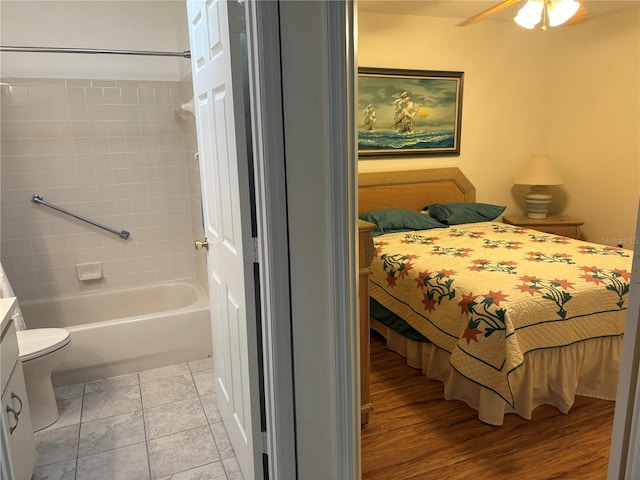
[{"x": 40, "y": 341}]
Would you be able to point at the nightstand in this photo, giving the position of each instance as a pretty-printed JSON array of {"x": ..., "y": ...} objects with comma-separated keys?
[
  {"x": 557, "y": 224},
  {"x": 365, "y": 246}
]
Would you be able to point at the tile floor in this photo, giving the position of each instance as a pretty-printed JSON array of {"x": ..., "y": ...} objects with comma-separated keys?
[{"x": 155, "y": 424}]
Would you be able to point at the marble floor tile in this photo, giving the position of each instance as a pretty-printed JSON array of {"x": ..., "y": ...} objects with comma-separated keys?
[
  {"x": 56, "y": 445},
  {"x": 205, "y": 381},
  {"x": 181, "y": 451},
  {"x": 222, "y": 441},
  {"x": 173, "y": 418},
  {"x": 125, "y": 463},
  {"x": 111, "y": 402},
  {"x": 211, "y": 408},
  {"x": 69, "y": 391},
  {"x": 202, "y": 364},
  {"x": 164, "y": 372},
  {"x": 232, "y": 469},
  {"x": 111, "y": 432},
  {"x": 68, "y": 413},
  {"x": 112, "y": 383},
  {"x": 161, "y": 423},
  {"x": 57, "y": 471},
  {"x": 212, "y": 471},
  {"x": 168, "y": 390}
]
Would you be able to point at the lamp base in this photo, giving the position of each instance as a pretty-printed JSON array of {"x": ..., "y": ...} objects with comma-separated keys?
[{"x": 537, "y": 204}]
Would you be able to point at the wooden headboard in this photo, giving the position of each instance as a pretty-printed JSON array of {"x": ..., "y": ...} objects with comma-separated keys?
[{"x": 413, "y": 189}]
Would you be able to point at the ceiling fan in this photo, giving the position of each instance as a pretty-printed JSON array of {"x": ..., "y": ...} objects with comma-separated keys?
[{"x": 548, "y": 13}]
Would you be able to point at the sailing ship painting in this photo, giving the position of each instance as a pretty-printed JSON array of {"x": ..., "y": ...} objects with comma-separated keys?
[
  {"x": 370, "y": 118},
  {"x": 409, "y": 112},
  {"x": 403, "y": 114}
]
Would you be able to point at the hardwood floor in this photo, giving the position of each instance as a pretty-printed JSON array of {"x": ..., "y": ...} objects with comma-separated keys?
[{"x": 414, "y": 434}]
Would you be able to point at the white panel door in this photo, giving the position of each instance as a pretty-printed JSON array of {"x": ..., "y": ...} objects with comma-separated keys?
[{"x": 216, "y": 59}]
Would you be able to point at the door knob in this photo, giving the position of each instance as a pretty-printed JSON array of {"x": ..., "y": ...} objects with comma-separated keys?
[{"x": 202, "y": 244}]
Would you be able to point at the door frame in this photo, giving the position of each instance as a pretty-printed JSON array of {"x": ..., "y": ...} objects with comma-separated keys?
[
  {"x": 318, "y": 73},
  {"x": 336, "y": 439},
  {"x": 267, "y": 130},
  {"x": 624, "y": 456},
  {"x": 341, "y": 78}
]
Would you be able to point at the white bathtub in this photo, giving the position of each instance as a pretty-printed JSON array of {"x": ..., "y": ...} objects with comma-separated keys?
[{"x": 125, "y": 331}]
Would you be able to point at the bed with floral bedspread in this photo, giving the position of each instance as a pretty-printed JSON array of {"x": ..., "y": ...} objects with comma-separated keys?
[{"x": 492, "y": 297}]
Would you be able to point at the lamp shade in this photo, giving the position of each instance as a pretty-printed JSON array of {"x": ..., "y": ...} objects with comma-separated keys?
[
  {"x": 539, "y": 170},
  {"x": 551, "y": 12},
  {"x": 561, "y": 11},
  {"x": 529, "y": 15}
]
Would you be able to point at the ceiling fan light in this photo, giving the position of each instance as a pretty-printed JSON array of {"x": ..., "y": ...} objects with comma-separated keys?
[
  {"x": 529, "y": 15},
  {"x": 561, "y": 10}
]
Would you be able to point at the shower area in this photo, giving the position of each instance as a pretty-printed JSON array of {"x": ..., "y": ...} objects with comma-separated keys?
[{"x": 109, "y": 138}]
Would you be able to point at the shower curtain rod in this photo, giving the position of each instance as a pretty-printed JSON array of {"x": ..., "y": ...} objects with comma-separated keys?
[{"x": 185, "y": 54}]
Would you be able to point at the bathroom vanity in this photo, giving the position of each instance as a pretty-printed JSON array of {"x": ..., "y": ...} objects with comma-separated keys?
[{"x": 18, "y": 444}]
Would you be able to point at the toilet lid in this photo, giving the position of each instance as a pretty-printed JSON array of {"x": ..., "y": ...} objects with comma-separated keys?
[{"x": 40, "y": 341}]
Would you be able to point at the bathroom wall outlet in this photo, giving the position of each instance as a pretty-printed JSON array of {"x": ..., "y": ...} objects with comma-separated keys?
[{"x": 89, "y": 271}]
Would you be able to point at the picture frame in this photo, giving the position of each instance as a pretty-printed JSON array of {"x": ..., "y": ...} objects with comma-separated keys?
[{"x": 409, "y": 112}]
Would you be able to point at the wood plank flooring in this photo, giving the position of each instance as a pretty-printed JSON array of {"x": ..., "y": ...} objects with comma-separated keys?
[{"x": 414, "y": 434}]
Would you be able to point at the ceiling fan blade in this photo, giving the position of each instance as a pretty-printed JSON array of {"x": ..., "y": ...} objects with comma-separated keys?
[{"x": 489, "y": 11}]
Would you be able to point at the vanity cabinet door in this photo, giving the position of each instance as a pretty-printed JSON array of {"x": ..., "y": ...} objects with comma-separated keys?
[{"x": 17, "y": 431}]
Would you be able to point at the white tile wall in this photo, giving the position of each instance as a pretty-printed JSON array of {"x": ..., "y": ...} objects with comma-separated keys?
[{"x": 112, "y": 151}]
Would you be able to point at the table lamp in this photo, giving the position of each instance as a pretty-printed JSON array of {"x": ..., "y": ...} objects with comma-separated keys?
[{"x": 539, "y": 172}]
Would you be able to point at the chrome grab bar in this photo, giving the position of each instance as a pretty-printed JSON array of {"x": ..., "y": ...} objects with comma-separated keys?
[{"x": 38, "y": 199}]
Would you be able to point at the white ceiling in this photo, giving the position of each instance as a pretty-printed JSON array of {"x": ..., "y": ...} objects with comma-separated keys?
[{"x": 464, "y": 9}]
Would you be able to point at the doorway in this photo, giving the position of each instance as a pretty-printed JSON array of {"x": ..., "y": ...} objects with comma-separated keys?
[{"x": 375, "y": 48}]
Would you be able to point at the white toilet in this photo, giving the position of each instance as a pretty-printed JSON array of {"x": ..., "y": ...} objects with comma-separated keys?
[{"x": 41, "y": 350}]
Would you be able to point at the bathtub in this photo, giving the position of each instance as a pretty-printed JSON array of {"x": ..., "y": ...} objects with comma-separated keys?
[{"x": 125, "y": 331}]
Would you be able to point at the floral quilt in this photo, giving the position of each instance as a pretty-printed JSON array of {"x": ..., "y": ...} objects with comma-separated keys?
[{"x": 488, "y": 293}]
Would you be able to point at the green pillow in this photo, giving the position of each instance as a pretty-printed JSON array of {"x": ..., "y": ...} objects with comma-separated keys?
[
  {"x": 457, "y": 213},
  {"x": 399, "y": 220}
]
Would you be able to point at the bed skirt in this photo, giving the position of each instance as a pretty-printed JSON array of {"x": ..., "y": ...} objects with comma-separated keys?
[{"x": 552, "y": 377}]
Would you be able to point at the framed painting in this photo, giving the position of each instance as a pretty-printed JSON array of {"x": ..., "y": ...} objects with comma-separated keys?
[{"x": 409, "y": 112}]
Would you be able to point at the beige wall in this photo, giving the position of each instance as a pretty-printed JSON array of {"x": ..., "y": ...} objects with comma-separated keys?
[
  {"x": 111, "y": 24},
  {"x": 594, "y": 116},
  {"x": 529, "y": 92}
]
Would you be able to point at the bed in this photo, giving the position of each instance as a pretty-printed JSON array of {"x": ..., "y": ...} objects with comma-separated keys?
[{"x": 506, "y": 317}]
